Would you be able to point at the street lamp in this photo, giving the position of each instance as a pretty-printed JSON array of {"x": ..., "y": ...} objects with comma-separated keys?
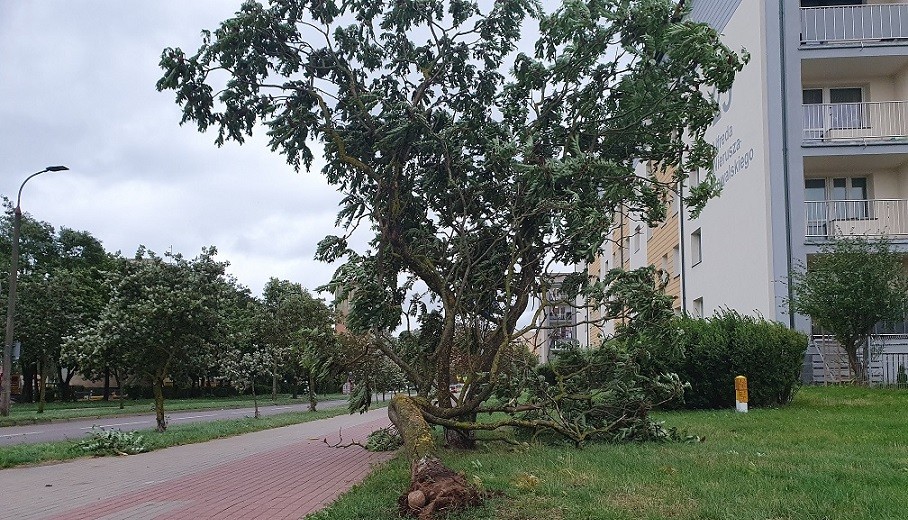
[{"x": 11, "y": 303}]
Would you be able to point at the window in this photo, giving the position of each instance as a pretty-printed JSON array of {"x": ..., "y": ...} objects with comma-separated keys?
[
  {"x": 847, "y": 111},
  {"x": 698, "y": 307},
  {"x": 696, "y": 247},
  {"x": 836, "y": 108},
  {"x": 676, "y": 256},
  {"x": 815, "y": 199},
  {"x": 664, "y": 275},
  {"x": 849, "y": 195},
  {"x": 839, "y": 198}
]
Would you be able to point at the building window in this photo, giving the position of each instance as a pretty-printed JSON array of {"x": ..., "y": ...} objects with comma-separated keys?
[
  {"x": 676, "y": 256},
  {"x": 664, "y": 274},
  {"x": 840, "y": 198},
  {"x": 839, "y": 108},
  {"x": 698, "y": 307},
  {"x": 696, "y": 247}
]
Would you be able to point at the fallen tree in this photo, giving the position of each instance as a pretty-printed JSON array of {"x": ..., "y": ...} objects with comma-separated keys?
[{"x": 476, "y": 165}]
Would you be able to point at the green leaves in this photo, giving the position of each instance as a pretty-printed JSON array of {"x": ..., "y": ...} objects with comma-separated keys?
[
  {"x": 474, "y": 166},
  {"x": 850, "y": 286}
]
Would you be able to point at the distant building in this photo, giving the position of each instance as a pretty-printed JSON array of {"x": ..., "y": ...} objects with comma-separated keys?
[{"x": 557, "y": 321}]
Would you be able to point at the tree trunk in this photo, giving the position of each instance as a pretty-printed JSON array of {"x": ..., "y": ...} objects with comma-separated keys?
[
  {"x": 312, "y": 399},
  {"x": 865, "y": 372},
  {"x": 255, "y": 400},
  {"x": 158, "y": 388},
  {"x": 120, "y": 388},
  {"x": 42, "y": 385},
  {"x": 461, "y": 439},
  {"x": 434, "y": 488},
  {"x": 274, "y": 382},
  {"x": 28, "y": 393},
  {"x": 857, "y": 368},
  {"x": 107, "y": 384},
  {"x": 295, "y": 386}
]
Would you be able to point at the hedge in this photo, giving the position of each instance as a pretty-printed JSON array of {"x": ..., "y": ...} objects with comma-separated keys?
[{"x": 715, "y": 350}]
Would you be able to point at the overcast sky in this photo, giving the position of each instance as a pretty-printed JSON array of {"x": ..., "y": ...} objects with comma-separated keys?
[{"x": 77, "y": 87}]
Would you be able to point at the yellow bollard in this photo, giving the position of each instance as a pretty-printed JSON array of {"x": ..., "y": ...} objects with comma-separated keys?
[{"x": 741, "y": 394}]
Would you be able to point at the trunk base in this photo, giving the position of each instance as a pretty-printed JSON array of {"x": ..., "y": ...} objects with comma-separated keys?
[
  {"x": 460, "y": 439},
  {"x": 434, "y": 488}
]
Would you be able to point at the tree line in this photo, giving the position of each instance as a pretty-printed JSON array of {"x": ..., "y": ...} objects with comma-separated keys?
[{"x": 154, "y": 320}]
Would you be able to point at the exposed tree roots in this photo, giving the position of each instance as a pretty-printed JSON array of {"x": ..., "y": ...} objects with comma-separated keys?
[{"x": 436, "y": 489}]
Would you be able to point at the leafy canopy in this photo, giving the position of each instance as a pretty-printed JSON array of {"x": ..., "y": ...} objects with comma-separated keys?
[
  {"x": 849, "y": 287},
  {"x": 475, "y": 160}
]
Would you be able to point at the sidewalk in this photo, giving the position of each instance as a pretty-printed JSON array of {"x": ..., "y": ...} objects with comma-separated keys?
[{"x": 284, "y": 473}]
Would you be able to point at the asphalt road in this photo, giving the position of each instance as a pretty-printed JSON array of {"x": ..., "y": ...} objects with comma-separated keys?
[{"x": 78, "y": 428}]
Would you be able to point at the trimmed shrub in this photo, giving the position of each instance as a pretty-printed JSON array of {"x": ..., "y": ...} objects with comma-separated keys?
[{"x": 715, "y": 350}]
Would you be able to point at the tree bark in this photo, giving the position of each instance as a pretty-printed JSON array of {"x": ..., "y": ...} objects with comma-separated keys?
[
  {"x": 42, "y": 385},
  {"x": 313, "y": 401},
  {"x": 158, "y": 388},
  {"x": 107, "y": 384},
  {"x": 255, "y": 400},
  {"x": 120, "y": 389},
  {"x": 28, "y": 389},
  {"x": 434, "y": 488},
  {"x": 857, "y": 368}
]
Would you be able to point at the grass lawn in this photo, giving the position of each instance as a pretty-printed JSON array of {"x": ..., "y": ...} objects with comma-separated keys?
[
  {"x": 836, "y": 453},
  {"x": 23, "y": 454},
  {"x": 26, "y": 413}
]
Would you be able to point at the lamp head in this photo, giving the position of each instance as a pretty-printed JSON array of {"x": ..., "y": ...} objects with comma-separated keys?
[{"x": 56, "y": 168}]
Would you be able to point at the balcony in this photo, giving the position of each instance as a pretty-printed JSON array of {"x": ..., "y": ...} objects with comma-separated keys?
[
  {"x": 881, "y": 121},
  {"x": 869, "y": 218},
  {"x": 854, "y": 24}
]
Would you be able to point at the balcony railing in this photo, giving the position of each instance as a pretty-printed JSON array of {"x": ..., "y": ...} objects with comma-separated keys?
[
  {"x": 854, "y": 23},
  {"x": 879, "y": 120},
  {"x": 873, "y": 218}
]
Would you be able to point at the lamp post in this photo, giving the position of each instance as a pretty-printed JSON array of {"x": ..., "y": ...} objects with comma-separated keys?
[{"x": 11, "y": 302}]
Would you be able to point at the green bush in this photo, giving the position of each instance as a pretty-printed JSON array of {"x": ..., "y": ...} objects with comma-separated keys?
[{"x": 715, "y": 350}]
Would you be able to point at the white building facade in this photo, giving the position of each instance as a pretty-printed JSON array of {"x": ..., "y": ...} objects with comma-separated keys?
[{"x": 812, "y": 144}]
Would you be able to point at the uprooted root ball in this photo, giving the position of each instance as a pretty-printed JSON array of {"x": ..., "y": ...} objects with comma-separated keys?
[{"x": 436, "y": 489}]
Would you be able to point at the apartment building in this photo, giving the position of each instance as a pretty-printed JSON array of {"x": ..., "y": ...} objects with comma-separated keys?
[
  {"x": 560, "y": 321},
  {"x": 812, "y": 144}
]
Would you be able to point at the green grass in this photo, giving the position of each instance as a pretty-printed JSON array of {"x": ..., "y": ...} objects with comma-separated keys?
[
  {"x": 26, "y": 454},
  {"x": 835, "y": 453},
  {"x": 27, "y": 413}
]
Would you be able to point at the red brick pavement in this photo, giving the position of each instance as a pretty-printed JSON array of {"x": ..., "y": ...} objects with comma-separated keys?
[{"x": 285, "y": 483}]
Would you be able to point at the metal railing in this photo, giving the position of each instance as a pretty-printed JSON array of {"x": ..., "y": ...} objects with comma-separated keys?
[
  {"x": 882, "y": 120},
  {"x": 888, "y": 367},
  {"x": 872, "y": 217},
  {"x": 854, "y": 23}
]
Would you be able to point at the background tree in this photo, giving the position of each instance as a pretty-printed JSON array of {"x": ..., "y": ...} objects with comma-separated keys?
[
  {"x": 163, "y": 313},
  {"x": 61, "y": 289},
  {"x": 244, "y": 368},
  {"x": 286, "y": 310},
  {"x": 475, "y": 165},
  {"x": 849, "y": 287}
]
